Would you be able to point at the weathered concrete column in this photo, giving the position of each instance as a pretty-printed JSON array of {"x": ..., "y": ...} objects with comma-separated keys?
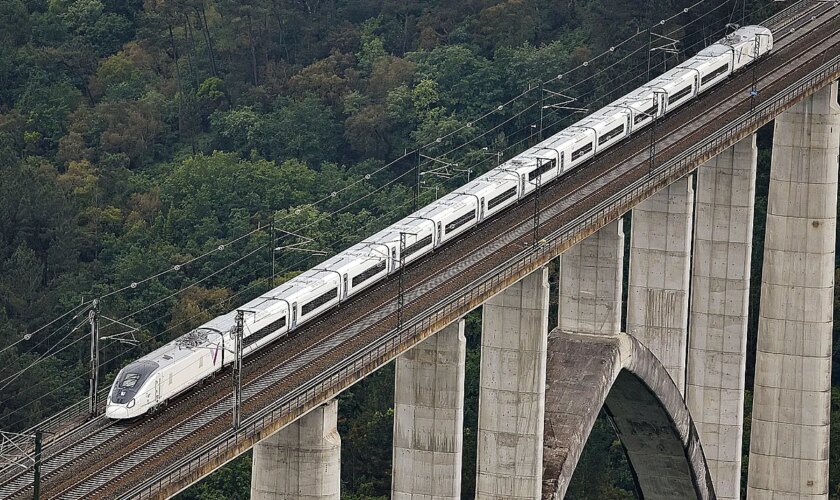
[
  {"x": 300, "y": 461},
  {"x": 791, "y": 404},
  {"x": 720, "y": 285},
  {"x": 429, "y": 418},
  {"x": 660, "y": 253},
  {"x": 511, "y": 400},
  {"x": 591, "y": 275}
]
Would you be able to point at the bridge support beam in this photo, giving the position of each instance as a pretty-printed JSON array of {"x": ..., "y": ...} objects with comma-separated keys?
[
  {"x": 720, "y": 285},
  {"x": 300, "y": 461},
  {"x": 429, "y": 418},
  {"x": 660, "y": 253},
  {"x": 587, "y": 372},
  {"x": 590, "y": 283},
  {"x": 790, "y": 417},
  {"x": 512, "y": 391}
]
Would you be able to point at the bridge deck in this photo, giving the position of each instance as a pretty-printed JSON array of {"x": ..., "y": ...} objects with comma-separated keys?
[{"x": 160, "y": 455}]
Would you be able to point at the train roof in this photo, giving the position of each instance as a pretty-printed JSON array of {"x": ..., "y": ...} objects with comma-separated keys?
[
  {"x": 483, "y": 187},
  {"x": 354, "y": 256},
  {"x": 207, "y": 336},
  {"x": 745, "y": 34},
  {"x": 412, "y": 225}
]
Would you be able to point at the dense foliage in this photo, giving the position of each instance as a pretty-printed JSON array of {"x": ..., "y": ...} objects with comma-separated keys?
[{"x": 138, "y": 138}]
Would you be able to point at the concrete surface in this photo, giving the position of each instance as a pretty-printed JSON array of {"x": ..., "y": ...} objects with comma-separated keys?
[
  {"x": 301, "y": 461},
  {"x": 591, "y": 276},
  {"x": 512, "y": 391},
  {"x": 660, "y": 252},
  {"x": 791, "y": 403},
  {"x": 586, "y": 372},
  {"x": 720, "y": 286},
  {"x": 429, "y": 418}
]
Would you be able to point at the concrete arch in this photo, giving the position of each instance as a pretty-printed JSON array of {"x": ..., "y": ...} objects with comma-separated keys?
[{"x": 585, "y": 372}]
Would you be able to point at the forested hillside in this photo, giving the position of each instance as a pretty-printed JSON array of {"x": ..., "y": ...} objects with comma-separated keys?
[{"x": 147, "y": 145}]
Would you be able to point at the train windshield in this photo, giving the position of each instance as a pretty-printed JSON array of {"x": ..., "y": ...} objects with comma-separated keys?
[{"x": 130, "y": 380}]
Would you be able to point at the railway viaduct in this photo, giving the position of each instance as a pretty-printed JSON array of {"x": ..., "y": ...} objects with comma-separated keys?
[
  {"x": 673, "y": 386},
  {"x": 671, "y": 379}
]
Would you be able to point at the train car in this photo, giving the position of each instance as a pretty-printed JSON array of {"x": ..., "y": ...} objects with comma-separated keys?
[
  {"x": 610, "y": 124},
  {"x": 536, "y": 166},
  {"x": 359, "y": 267},
  {"x": 148, "y": 383},
  {"x": 713, "y": 65},
  {"x": 645, "y": 105},
  {"x": 265, "y": 318},
  {"x": 583, "y": 147},
  {"x": 497, "y": 191},
  {"x": 420, "y": 239},
  {"x": 748, "y": 44},
  {"x": 452, "y": 214},
  {"x": 677, "y": 86},
  {"x": 311, "y": 293}
]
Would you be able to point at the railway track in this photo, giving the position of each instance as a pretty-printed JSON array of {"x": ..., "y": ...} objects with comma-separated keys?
[{"x": 137, "y": 449}]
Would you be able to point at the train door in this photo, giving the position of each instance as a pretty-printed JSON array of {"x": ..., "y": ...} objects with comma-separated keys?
[
  {"x": 344, "y": 291},
  {"x": 481, "y": 210},
  {"x": 439, "y": 232},
  {"x": 628, "y": 124},
  {"x": 562, "y": 161},
  {"x": 393, "y": 258},
  {"x": 157, "y": 389},
  {"x": 294, "y": 315}
]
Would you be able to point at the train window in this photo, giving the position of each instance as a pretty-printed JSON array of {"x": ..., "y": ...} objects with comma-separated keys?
[
  {"x": 368, "y": 273},
  {"x": 130, "y": 380},
  {"x": 510, "y": 193},
  {"x": 264, "y": 331},
  {"x": 460, "y": 221},
  {"x": 545, "y": 167},
  {"x": 679, "y": 95},
  {"x": 319, "y": 301},
  {"x": 612, "y": 134},
  {"x": 417, "y": 245},
  {"x": 582, "y": 151},
  {"x": 714, "y": 74}
]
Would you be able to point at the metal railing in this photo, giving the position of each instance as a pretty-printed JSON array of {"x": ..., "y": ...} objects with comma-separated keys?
[{"x": 369, "y": 358}]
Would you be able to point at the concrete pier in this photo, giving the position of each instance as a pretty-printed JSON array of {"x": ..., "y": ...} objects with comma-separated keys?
[
  {"x": 429, "y": 418},
  {"x": 590, "y": 283},
  {"x": 660, "y": 253},
  {"x": 791, "y": 403},
  {"x": 720, "y": 285},
  {"x": 512, "y": 391},
  {"x": 301, "y": 461}
]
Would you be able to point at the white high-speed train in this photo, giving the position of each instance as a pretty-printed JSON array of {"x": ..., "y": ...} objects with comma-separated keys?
[{"x": 152, "y": 380}]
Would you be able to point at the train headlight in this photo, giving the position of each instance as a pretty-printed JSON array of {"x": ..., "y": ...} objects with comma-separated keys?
[{"x": 130, "y": 404}]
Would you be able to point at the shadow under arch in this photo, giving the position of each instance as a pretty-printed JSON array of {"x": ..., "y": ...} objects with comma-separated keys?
[{"x": 585, "y": 372}]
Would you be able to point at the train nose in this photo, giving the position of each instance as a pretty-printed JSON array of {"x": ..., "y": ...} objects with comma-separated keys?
[{"x": 117, "y": 411}]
